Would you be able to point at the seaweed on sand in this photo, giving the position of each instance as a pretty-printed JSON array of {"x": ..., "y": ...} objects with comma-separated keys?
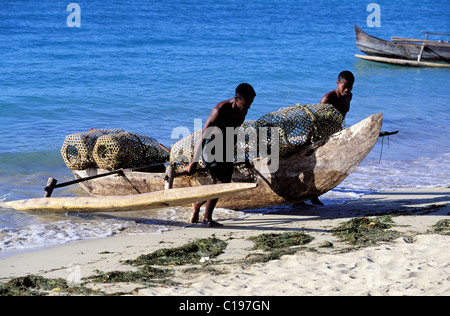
[
  {"x": 34, "y": 285},
  {"x": 366, "y": 231},
  {"x": 442, "y": 227},
  {"x": 277, "y": 241},
  {"x": 190, "y": 253},
  {"x": 144, "y": 275},
  {"x": 277, "y": 245}
]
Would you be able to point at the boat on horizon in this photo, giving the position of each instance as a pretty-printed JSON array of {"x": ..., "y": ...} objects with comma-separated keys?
[{"x": 404, "y": 51}]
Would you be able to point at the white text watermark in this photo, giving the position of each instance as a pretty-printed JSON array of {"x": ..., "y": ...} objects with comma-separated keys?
[
  {"x": 374, "y": 18},
  {"x": 236, "y": 145},
  {"x": 74, "y": 18}
]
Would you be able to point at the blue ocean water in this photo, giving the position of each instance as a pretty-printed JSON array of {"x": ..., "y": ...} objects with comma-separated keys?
[{"x": 151, "y": 66}]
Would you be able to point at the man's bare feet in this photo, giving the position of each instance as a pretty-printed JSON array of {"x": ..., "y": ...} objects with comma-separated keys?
[
  {"x": 207, "y": 223},
  {"x": 195, "y": 214}
]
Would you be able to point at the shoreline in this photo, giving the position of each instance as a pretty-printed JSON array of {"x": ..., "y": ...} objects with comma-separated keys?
[{"x": 426, "y": 256}]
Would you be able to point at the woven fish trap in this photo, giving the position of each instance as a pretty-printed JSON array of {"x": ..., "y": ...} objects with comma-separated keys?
[
  {"x": 256, "y": 139},
  {"x": 182, "y": 152},
  {"x": 152, "y": 151},
  {"x": 126, "y": 150},
  {"x": 301, "y": 124},
  {"x": 327, "y": 121},
  {"x": 283, "y": 130},
  {"x": 77, "y": 148}
]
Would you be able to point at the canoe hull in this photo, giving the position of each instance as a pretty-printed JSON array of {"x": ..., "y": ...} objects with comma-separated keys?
[{"x": 310, "y": 171}]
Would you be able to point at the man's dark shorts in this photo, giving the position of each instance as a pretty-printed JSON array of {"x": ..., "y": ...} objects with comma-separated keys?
[{"x": 222, "y": 171}]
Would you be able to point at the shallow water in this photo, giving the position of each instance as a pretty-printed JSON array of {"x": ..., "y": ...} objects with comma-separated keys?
[{"x": 150, "y": 67}]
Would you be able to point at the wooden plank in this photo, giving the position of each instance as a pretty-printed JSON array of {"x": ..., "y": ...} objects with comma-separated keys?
[
  {"x": 421, "y": 49},
  {"x": 420, "y": 41},
  {"x": 170, "y": 175},
  {"x": 403, "y": 62},
  {"x": 445, "y": 34},
  {"x": 404, "y": 39},
  {"x": 173, "y": 197},
  {"x": 51, "y": 183}
]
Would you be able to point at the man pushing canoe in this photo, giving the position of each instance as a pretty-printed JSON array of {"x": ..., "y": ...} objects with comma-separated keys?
[
  {"x": 340, "y": 98},
  {"x": 212, "y": 146}
]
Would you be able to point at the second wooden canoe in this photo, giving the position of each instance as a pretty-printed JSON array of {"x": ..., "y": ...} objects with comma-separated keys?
[{"x": 373, "y": 46}]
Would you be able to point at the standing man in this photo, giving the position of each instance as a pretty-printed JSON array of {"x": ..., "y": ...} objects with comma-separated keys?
[
  {"x": 340, "y": 98},
  {"x": 229, "y": 113}
]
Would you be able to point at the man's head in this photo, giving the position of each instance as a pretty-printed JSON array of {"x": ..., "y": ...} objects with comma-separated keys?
[
  {"x": 345, "y": 83},
  {"x": 245, "y": 94}
]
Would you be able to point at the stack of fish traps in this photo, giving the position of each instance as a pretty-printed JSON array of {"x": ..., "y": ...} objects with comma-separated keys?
[
  {"x": 110, "y": 149},
  {"x": 287, "y": 128},
  {"x": 78, "y": 148},
  {"x": 124, "y": 150}
]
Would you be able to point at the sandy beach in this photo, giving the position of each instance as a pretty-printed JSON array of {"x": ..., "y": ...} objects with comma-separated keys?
[{"x": 417, "y": 262}]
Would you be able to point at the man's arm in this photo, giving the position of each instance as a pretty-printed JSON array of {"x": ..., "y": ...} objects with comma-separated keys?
[
  {"x": 326, "y": 98},
  {"x": 210, "y": 122}
]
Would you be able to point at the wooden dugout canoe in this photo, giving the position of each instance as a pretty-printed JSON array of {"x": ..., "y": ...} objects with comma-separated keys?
[
  {"x": 310, "y": 171},
  {"x": 404, "y": 49}
]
